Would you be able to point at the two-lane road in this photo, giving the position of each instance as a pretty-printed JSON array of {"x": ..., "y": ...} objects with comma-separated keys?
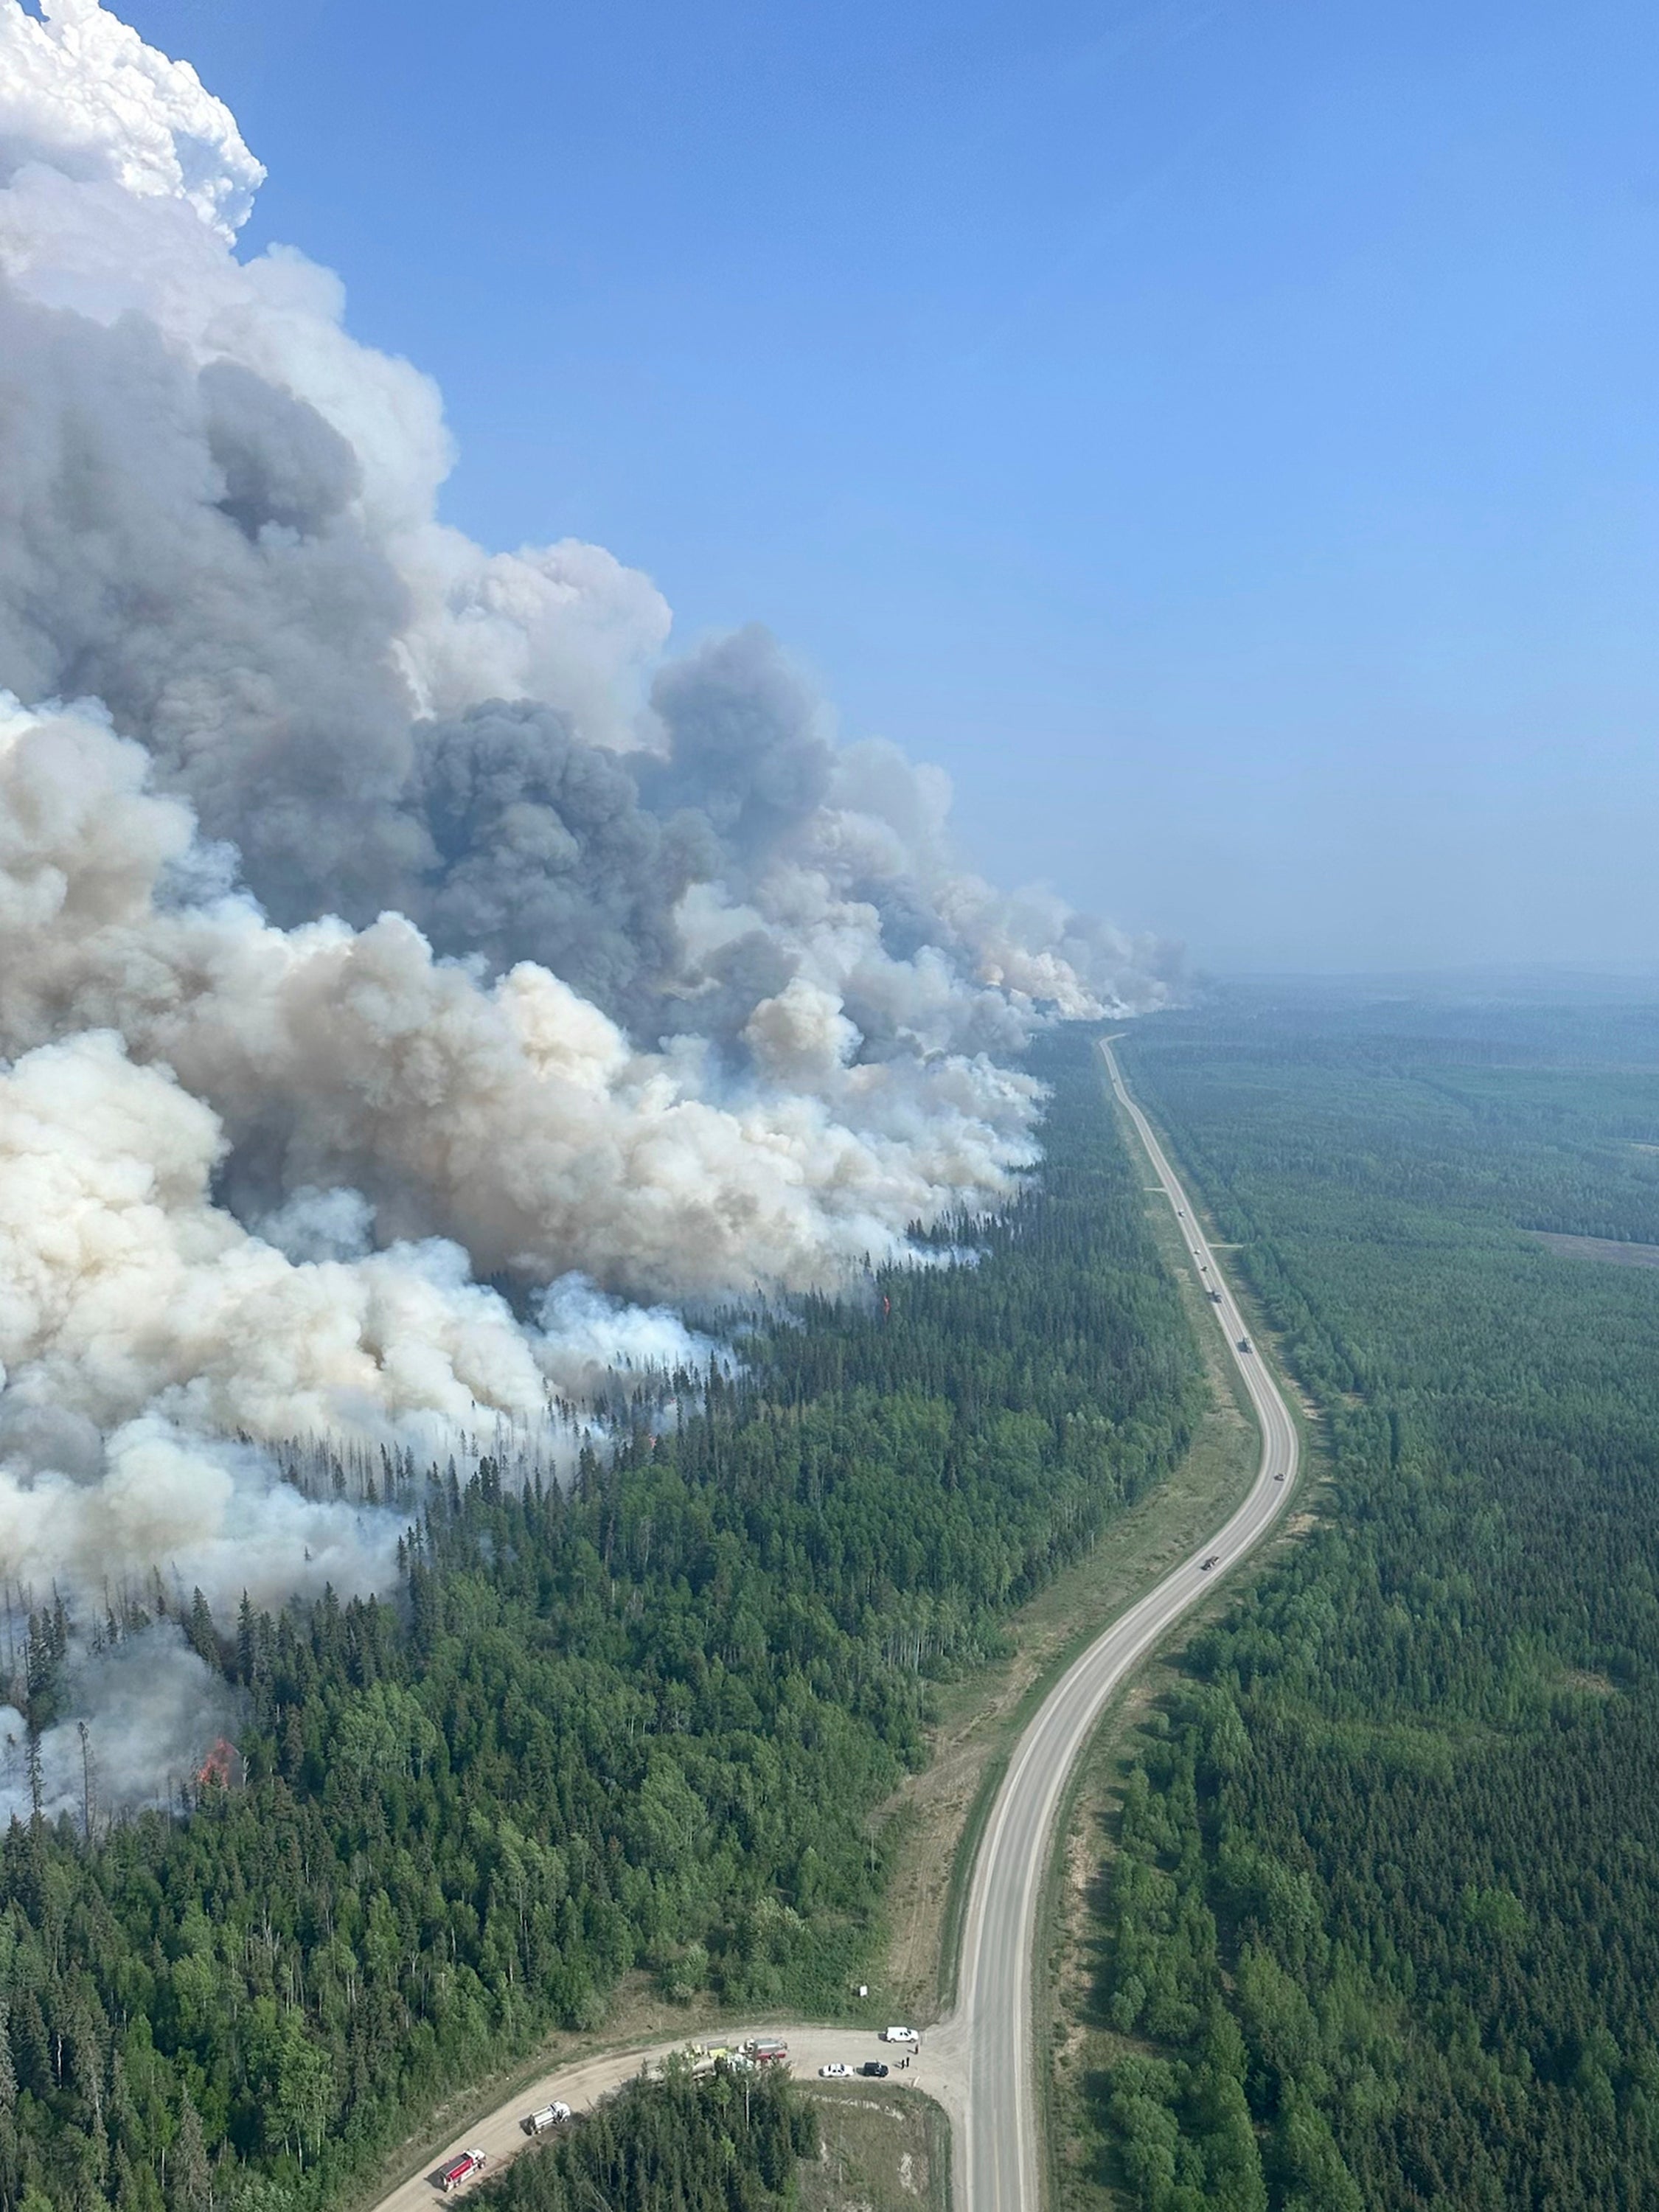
[
  {"x": 999, "y": 2136},
  {"x": 978, "y": 2063}
]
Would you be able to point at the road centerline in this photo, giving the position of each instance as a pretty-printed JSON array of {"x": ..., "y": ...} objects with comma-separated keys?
[{"x": 998, "y": 2155}]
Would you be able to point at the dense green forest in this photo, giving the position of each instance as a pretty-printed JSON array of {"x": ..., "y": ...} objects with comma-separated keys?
[
  {"x": 640, "y": 1723},
  {"x": 1382, "y": 1928},
  {"x": 679, "y": 2145}
]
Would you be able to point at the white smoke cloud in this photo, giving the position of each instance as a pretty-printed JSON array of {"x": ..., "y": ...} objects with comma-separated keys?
[
  {"x": 321, "y": 1225},
  {"x": 123, "y": 1288},
  {"x": 590, "y": 1338},
  {"x": 380, "y": 914},
  {"x": 82, "y": 93},
  {"x": 200, "y": 1513},
  {"x": 514, "y": 1118},
  {"x": 153, "y": 1711}
]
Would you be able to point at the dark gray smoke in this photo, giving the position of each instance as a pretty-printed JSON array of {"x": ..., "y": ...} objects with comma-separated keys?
[
  {"x": 179, "y": 542},
  {"x": 379, "y": 913},
  {"x": 746, "y": 744},
  {"x": 544, "y": 852}
]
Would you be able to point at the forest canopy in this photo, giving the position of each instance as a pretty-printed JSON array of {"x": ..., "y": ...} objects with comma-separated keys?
[
  {"x": 640, "y": 1724},
  {"x": 1382, "y": 1928},
  {"x": 711, "y": 2145}
]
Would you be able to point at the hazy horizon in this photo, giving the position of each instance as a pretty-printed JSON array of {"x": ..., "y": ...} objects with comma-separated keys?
[
  {"x": 627, "y": 1317},
  {"x": 1520, "y": 973},
  {"x": 1225, "y": 445}
]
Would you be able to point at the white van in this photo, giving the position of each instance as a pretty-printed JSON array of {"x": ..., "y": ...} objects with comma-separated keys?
[{"x": 900, "y": 2035}]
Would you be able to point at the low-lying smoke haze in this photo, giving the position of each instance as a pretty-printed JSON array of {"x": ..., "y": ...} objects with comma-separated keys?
[{"x": 414, "y": 987}]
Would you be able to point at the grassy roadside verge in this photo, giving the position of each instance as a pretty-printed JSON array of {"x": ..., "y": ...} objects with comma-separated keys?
[
  {"x": 1075, "y": 2045},
  {"x": 878, "y": 2151},
  {"x": 945, "y": 1808},
  {"x": 1067, "y": 1618},
  {"x": 1308, "y": 1415}
]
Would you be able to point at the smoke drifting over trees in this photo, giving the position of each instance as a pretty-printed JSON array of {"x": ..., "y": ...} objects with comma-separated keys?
[{"x": 379, "y": 914}]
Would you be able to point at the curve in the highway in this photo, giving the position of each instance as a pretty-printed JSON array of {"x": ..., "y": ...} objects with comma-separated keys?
[
  {"x": 999, "y": 2139},
  {"x": 978, "y": 2063}
]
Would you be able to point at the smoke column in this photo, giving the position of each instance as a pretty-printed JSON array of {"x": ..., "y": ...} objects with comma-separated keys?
[{"x": 379, "y": 913}]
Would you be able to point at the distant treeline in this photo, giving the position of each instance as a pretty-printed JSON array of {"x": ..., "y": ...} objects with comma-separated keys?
[
  {"x": 1383, "y": 1927},
  {"x": 640, "y": 1724}
]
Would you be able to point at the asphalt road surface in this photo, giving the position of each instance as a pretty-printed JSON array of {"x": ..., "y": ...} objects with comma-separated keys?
[
  {"x": 999, "y": 2142},
  {"x": 978, "y": 2063}
]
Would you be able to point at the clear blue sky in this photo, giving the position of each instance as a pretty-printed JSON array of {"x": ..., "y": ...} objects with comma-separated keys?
[{"x": 1224, "y": 436}]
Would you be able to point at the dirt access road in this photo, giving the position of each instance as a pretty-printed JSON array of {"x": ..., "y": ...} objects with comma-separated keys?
[
  {"x": 581, "y": 2085},
  {"x": 978, "y": 2062}
]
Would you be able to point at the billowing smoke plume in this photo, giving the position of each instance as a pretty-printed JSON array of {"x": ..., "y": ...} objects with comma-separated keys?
[
  {"x": 379, "y": 915},
  {"x": 151, "y": 1709}
]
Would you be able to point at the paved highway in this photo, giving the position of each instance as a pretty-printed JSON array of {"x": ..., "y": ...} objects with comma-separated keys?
[
  {"x": 978, "y": 2064},
  {"x": 998, "y": 2140}
]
